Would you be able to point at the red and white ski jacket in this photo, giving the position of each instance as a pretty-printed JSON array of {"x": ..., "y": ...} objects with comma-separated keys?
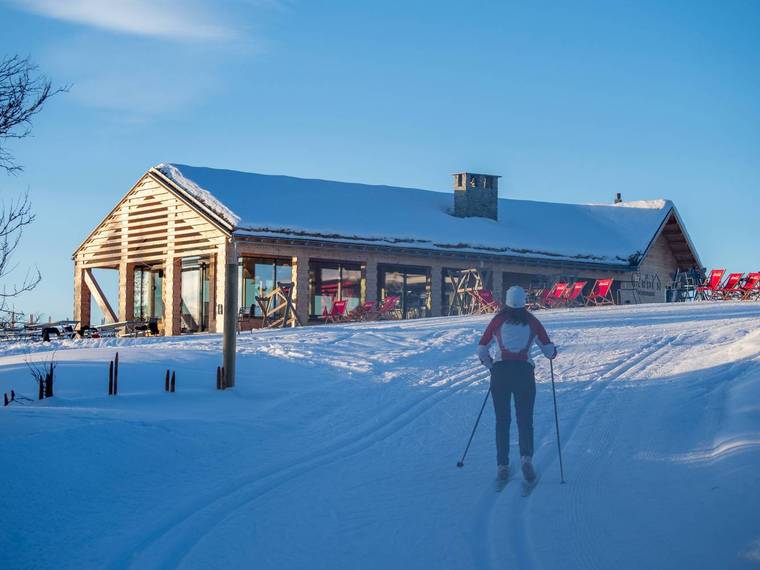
[{"x": 514, "y": 340}]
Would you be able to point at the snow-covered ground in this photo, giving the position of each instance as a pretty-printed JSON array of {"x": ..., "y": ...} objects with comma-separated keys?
[{"x": 338, "y": 448}]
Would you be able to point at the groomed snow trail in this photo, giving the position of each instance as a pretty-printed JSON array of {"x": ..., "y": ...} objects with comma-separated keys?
[{"x": 338, "y": 447}]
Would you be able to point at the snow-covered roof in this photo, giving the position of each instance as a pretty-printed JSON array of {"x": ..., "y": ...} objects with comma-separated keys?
[{"x": 284, "y": 206}]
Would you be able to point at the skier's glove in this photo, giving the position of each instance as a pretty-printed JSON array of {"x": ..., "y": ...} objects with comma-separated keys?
[
  {"x": 549, "y": 350},
  {"x": 485, "y": 356}
]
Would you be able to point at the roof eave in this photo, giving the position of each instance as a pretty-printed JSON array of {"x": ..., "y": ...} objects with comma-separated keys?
[
  {"x": 668, "y": 211},
  {"x": 439, "y": 252}
]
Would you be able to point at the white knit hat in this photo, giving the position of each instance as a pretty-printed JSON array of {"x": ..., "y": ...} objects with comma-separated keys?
[{"x": 516, "y": 297}]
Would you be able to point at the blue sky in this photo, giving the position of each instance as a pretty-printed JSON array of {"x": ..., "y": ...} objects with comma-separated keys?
[{"x": 568, "y": 102}]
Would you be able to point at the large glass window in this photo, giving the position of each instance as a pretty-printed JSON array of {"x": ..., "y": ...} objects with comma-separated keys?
[
  {"x": 334, "y": 281},
  {"x": 411, "y": 284},
  {"x": 142, "y": 297},
  {"x": 452, "y": 276},
  {"x": 260, "y": 277},
  {"x": 195, "y": 295},
  {"x": 148, "y": 301},
  {"x": 158, "y": 299},
  {"x": 447, "y": 291}
]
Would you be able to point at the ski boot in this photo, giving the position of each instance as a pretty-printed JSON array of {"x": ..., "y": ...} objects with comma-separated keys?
[{"x": 529, "y": 473}]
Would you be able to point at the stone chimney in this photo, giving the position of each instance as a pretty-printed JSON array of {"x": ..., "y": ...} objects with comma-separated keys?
[{"x": 476, "y": 195}]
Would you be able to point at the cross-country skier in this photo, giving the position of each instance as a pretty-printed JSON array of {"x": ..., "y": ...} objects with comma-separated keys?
[{"x": 514, "y": 330}]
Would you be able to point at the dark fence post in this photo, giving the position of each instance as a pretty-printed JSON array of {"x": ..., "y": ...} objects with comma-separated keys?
[
  {"x": 166, "y": 381},
  {"x": 110, "y": 378},
  {"x": 49, "y": 384},
  {"x": 116, "y": 375},
  {"x": 173, "y": 385}
]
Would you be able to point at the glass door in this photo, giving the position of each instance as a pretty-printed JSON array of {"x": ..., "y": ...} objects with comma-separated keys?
[
  {"x": 411, "y": 285},
  {"x": 195, "y": 295},
  {"x": 331, "y": 281},
  {"x": 259, "y": 277},
  {"x": 148, "y": 301}
]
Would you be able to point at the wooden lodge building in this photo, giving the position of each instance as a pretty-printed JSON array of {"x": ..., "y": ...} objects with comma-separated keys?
[{"x": 172, "y": 234}]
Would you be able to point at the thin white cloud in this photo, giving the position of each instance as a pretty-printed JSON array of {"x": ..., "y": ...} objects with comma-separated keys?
[
  {"x": 137, "y": 80},
  {"x": 173, "y": 19}
]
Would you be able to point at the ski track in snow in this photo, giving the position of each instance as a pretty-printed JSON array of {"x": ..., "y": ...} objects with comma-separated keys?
[
  {"x": 621, "y": 370},
  {"x": 219, "y": 508},
  {"x": 516, "y": 505}
]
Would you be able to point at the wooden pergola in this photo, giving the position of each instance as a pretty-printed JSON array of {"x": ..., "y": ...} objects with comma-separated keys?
[{"x": 154, "y": 226}]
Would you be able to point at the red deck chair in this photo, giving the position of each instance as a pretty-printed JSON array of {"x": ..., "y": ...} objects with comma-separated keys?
[
  {"x": 556, "y": 295},
  {"x": 575, "y": 294},
  {"x": 337, "y": 312},
  {"x": 730, "y": 287},
  {"x": 750, "y": 289},
  {"x": 601, "y": 294},
  {"x": 387, "y": 309},
  {"x": 707, "y": 290},
  {"x": 486, "y": 302}
]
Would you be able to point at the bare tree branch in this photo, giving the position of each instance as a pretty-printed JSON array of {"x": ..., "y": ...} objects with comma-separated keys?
[
  {"x": 23, "y": 92},
  {"x": 22, "y": 95}
]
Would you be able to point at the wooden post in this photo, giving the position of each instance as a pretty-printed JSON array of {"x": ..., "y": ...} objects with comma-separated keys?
[
  {"x": 212, "y": 296},
  {"x": 436, "y": 290},
  {"x": 370, "y": 280},
  {"x": 499, "y": 293},
  {"x": 126, "y": 291},
  {"x": 172, "y": 293},
  {"x": 229, "y": 338},
  {"x": 301, "y": 280},
  {"x": 220, "y": 279},
  {"x": 173, "y": 297},
  {"x": 82, "y": 298}
]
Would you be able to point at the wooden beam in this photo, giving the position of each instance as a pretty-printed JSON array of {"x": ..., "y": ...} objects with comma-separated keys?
[
  {"x": 82, "y": 298},
  {"x": 100, "y": 298},
  {"x": 137, "y": 233},
  {"x": 151, "y": 246},
  {"x": 112, "y": 262},
  {"x": 172, "y": 292}
]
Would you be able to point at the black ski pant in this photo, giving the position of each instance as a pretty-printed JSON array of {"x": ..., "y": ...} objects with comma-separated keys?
[{"x": 513, "y": 377}]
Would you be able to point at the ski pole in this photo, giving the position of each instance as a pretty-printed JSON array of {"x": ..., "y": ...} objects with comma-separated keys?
[
  {"x": 556, "y": 423},
  {"x": 460, "y": 463}
]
